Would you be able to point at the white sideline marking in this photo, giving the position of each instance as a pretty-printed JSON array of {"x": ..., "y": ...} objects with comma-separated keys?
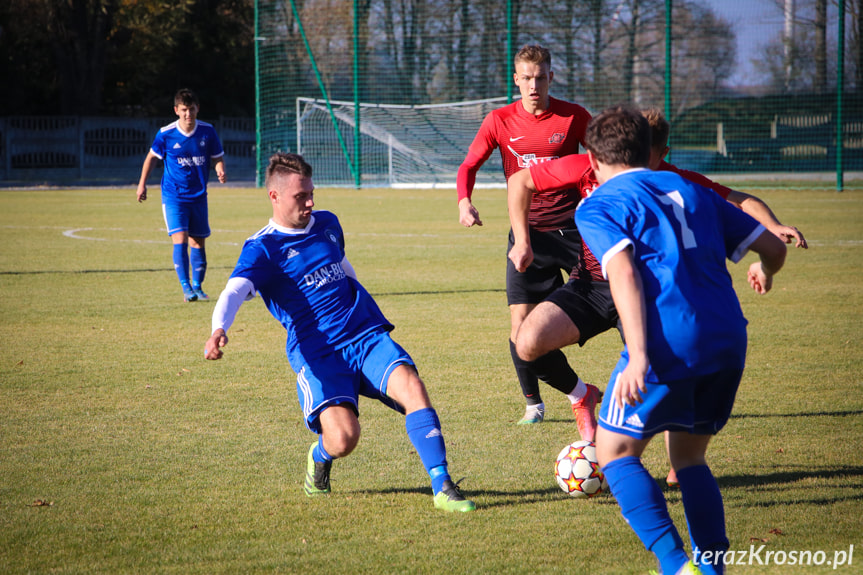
[{"x": 75, "y": 233}]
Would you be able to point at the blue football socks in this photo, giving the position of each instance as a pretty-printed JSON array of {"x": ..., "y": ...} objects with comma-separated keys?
[
  {"x": 644, "y": 508},
  {"x": 423, "y": 427},
  {"x": 705, "y": 516},
  {"x": 198, "y": 263},
  {"x": 181, "y": 263},
  {"x": 320, "y": 454}
]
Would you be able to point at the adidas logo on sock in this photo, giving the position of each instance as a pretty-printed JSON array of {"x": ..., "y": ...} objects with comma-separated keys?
[{"x": 433, "y": 433}]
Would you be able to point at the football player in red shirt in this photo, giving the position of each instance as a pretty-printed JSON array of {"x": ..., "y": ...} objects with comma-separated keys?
[
  {"x": 528, "y": 132},
  {"x": 583, "y": 308}
]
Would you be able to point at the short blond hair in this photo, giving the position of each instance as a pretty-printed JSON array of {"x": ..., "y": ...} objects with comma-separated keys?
[{"x": 533, "y": 54}]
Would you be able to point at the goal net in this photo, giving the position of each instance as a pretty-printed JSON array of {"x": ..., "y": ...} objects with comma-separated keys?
[{"x": 401, "y": 146}]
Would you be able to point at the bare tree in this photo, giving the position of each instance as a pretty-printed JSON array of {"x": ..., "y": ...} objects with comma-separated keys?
[
  {"x": 820, "y": 45},
  {"x": 704, "y": 53}
]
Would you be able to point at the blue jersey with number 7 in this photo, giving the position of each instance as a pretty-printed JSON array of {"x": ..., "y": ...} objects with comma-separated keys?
[{"x": 681, "y": 235}]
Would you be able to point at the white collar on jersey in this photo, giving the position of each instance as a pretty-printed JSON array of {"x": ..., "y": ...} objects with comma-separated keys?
[
  {"x": 294, "y": 231},
  {"x": 627, "y": 171},
  {"x": 190, "y": 134}
]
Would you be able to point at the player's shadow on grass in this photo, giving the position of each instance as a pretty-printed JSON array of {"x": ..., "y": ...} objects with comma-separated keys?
[
  {"x": 781, "y": 480},
  {"x": 845, "y": 413},
  {"x": 493, "y": 497},
  {"x": 439, "y": 292}
]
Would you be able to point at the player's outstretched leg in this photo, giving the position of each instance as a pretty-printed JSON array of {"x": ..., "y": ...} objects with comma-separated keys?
[
  {"x": 424, "y": 432},
  {"x": 317, "y": 472},
  {"x": 554, "y": 369}
]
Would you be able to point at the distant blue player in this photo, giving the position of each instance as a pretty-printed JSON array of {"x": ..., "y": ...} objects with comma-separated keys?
[
  {"x": 663, "y": 242},
  {"x": 187, "y": 147},
  {"x": 338, "y": 340}
]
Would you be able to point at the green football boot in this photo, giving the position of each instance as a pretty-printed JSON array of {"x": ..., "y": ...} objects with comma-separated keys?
[
  {"x": 449, "y": 498},
  {"x": 317, "y": 475}
]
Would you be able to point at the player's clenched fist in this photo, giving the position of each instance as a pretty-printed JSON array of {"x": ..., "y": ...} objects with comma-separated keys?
[{"x": 214, "y": 345}]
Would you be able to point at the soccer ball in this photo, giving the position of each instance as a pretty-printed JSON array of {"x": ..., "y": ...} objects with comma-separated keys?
[{"x": 577, "y": 470}]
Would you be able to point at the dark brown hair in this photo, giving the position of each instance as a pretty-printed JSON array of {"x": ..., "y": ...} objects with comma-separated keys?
[
  {"x": 620, "y": 135},
  {"x": 283, "y": 164},
  {"x": 186, "y": 97}
]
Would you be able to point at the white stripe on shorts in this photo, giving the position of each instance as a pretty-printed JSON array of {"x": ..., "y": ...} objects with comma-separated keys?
[
  {"x": 616, "y": 416},
  {"x": 303, "y": 384}
]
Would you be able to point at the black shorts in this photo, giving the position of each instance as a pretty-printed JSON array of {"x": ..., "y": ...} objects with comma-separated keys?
[
  {"x": 553, "y": 251},
  {"x": 589, "y": 305}
]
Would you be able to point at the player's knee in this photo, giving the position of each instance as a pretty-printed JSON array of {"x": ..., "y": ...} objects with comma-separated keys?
[
  {"x": 527, "y": 345},
  {"x": 408, "y": 389},
  {"x": 341, "y": 441}
]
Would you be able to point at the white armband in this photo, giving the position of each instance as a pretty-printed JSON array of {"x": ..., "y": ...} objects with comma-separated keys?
[{"x": 236, "y": 291}]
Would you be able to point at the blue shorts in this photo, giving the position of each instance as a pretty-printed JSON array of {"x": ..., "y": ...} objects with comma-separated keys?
[
  {"x": 362, "y": 368},
  {"x": 700, "y": 405},
  {"x": 188, "y": 217}
]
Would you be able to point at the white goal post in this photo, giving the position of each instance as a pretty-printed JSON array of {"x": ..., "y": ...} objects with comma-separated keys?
[{"x": 402, "y": 146}]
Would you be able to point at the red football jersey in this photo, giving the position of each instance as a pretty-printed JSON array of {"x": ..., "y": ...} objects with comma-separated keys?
[
  {"x": 696, "y": 178},
  {"x": 575, "y": 177},
  {"x": 525, "y": 140}
]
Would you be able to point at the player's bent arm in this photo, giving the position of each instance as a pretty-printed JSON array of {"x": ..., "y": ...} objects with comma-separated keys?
[
  {"x": 628, "y": 295},
  {"x": 465, "y": 180},
  {"x": 219, "y": 166},
  {"x": 236, "y": 291},
  {"x": 145, "y": 173},
  {"x": 519, "y": 191},
  {"x": 772, "y": 252},
  {"x": 759, "y": 210}
]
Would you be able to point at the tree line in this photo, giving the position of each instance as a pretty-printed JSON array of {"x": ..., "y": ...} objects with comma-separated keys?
[{"x": 128, "y": 57}]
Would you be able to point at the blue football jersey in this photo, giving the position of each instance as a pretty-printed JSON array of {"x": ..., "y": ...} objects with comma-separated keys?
[
  {"x": 187, "y": 160},
  {"x": 299, "y": 275},
  {"x": 681, "y": 235}
]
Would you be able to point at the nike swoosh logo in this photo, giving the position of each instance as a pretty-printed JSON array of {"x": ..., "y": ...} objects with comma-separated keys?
[{"x": 516, "y": 139}]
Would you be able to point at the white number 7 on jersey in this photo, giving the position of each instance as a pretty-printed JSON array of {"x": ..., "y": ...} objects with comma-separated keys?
[{"x": 675, "y": 200}]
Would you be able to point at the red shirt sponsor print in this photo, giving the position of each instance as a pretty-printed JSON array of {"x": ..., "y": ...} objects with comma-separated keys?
[{"x": 526, "y": 140}]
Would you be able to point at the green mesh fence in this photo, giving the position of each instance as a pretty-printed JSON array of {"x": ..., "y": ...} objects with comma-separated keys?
[{"x": 750, "y": 86}]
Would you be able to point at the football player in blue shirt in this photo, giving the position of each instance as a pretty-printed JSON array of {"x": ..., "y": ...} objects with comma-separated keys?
[
  {"x": 338, "y": 341},
  {"x": 663, "y": 242},
  {"x": 187, "y": 147}
]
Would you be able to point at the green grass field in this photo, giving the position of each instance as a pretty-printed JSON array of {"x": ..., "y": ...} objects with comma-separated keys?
[{"x": 149, "y": 459}]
